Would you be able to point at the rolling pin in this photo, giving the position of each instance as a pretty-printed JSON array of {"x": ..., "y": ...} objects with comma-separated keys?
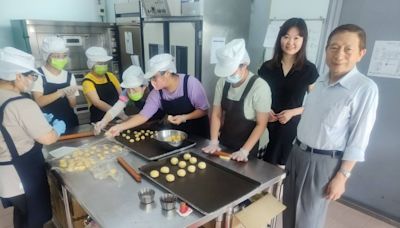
[
  {"x": 129, "y": 169},
  {"x": 76, "y": 135}
]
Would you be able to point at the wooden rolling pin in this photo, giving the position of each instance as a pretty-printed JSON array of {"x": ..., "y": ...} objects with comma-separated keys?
[
  {"x": 76, "y": 135},
  {"x": 129, "y": 169}
]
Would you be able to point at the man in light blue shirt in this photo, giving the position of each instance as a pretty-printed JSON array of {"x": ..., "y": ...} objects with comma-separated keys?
[{"x": 333, "y": 132}]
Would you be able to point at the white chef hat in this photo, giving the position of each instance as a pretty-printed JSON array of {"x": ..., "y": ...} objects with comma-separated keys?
[
  {"x": 230, "y": 57},
  {"x": 96, "y": 54},
  {"x": 14, "y": 61},
  {"x": 133, "y": 77},
  {"x": 160, "y": 62},
  {"x": 53, "y": 44}
]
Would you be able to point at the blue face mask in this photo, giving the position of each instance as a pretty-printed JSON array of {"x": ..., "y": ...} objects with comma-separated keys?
[{"x": 233, "y": 79}]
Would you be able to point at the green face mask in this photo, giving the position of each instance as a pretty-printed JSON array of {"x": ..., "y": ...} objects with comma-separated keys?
[
  {"x": 59, "y": 64},
  {"x": 100, "y": 69},
  {"x": 135, "y": 96}
]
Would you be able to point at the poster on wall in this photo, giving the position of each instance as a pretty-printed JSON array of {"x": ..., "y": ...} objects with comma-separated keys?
[{"x": 385, "y": 59}]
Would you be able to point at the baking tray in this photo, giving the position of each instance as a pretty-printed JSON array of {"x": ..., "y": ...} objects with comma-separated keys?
[
  {"x": 149, "y": 148},
  {"x": 205, "y": 190}
]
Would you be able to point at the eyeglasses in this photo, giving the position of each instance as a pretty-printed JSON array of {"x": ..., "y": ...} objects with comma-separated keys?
[{"x": 31, "y": 73}]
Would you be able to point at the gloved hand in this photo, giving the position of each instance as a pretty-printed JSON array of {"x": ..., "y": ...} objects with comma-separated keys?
[
  {"x": 59, "y": 126},
  {"x": 49, "y": 117},
  {"x": 70, "y": 90},
  {"x": 240, "y": 155},
  {"x": 212, "y": 147},
  {"x": 123, "y": 116},
  {"x": 116, "y": 109},
  {"x": 178, "y": 119},
  {"x": 99, "y": 126},
  {"x": 114, "y": 130}
]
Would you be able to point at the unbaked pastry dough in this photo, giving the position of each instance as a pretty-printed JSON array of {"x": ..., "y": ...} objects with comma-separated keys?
[
  {"x": 181, "y": 172},
  {"x": 174, "y": 160},
  {"x": 170, "y": 178},
  {"x": 154, "y": 173},
  {"x": 202, "y": 165},
  {"x": 191, "y": 168},
  {"x": 182, "y": 164},
  {"x": 193, "y": 160},
  {"x": 187, "y": 156},
  {"x": 164, "y": 169}
]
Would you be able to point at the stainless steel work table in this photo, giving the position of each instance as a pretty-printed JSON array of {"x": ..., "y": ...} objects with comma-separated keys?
[{"x": 113, "y": 206}]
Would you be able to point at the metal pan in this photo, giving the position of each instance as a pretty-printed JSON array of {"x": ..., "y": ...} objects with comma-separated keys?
[{"x": 205, "y": 190}]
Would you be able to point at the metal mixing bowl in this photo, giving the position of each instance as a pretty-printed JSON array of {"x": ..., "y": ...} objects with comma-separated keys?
[
  {"x": 168, "y": 201},
  {"x": 173, "y": 138},
  {"x": 146, "y": 195}
]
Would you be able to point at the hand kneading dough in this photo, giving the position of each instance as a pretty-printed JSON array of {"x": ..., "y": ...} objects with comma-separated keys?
[
  {"x": 174, "y": 160},
  {"x": 181, "y": 172},
  {"x": 182, "y": 164},
  {"x": 170, "y": 178},
  {"x": 191, "y": 168},
  {"x": 201, "y": 165},
  {"x": 164, "y": 169},
  {"x": 154, "y": 173},
  {"x": 187, "y": 156},
  {"x": 193, "y": 160}
]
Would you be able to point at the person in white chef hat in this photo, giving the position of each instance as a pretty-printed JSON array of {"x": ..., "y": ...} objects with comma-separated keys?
[
  {"x": 56, "y": 91},
  {"x": 241, "y": 103},
  {"x": 100, "y": 86},
  {"x": 132, "y": 98},
  {"x": 181, "y": 96},
  {"x": 24, "y": 128}
]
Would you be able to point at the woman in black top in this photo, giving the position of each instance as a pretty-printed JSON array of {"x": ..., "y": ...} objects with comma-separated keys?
[{"x": 290, "y": 75}]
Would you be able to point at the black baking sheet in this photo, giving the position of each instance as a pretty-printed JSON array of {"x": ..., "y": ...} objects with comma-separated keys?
[
  {"x": 206, "y": 190},
  {"x": 151, "y": 149}
]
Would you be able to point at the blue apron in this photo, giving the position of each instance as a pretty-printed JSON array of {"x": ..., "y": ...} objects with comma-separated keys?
[
  {"x": 182, "y": 105},
  {"x": 60, "y": 108},
  {"x": 31, "y": 170}
]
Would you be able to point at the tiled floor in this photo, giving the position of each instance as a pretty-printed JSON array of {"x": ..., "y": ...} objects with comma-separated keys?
[{"x": 339, "y": 216}]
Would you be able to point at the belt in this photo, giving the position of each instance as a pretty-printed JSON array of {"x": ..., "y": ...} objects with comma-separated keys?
[{"x": 332, "y": 153}]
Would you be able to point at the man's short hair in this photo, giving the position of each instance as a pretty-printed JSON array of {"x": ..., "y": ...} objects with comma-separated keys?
[{"x": 350, "y": 28}]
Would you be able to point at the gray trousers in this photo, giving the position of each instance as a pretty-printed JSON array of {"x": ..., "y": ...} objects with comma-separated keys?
[{"x": 307, "y": 177}]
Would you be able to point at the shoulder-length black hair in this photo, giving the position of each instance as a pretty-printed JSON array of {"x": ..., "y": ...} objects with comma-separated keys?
[{"x": 301, "y": 57}]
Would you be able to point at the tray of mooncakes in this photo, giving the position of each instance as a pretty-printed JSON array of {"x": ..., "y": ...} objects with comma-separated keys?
[{"x": 205, "y": 185}]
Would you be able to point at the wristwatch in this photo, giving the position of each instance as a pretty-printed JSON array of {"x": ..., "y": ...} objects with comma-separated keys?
[{"x": 345, "y": 173}]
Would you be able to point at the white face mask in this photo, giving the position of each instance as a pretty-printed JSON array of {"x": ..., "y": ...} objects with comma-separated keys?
[
  {"x": 28, "y": 85},
  {"x": 233, "y": 79}
]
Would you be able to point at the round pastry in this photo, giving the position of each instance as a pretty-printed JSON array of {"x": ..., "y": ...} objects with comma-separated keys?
[
  {"x": 202, "y": 165},
  {"x": 131, "y": 140},
  {"x": 170, "y": 177},
  {"x": 128, "y": 137},
  {"x": 191, "y": 168},
  {"x": 174, "y": 160},
  {"x": 63, "y": 163},
  {"x": 123, "y": 135},
  {"x": 128, "y": 131},
  {"x": 164, "y": 169},
  {"x": 187, "y": 156},
  {"x": 182, "y": 164},
  {"x": 193, "y": 160},
  {"x": 181, "y": 172},
  {"x": 154, "y": 173},
  {"x": 142, "y": 137}
]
